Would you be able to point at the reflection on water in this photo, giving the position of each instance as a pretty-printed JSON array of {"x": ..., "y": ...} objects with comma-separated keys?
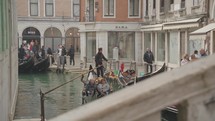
[{"x": 57, "y": 102}]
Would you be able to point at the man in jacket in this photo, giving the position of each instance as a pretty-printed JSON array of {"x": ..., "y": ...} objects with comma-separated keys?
[
  {"x": 71, "y": 54},
  {"x": 148, "y": 58},
  {"x": 98, "y": 59}
]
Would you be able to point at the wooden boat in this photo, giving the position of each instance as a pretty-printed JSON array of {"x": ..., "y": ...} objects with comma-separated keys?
[
  {"x": 41, "y": 65},
  {"x": 26, "y": 65},
  {"x": 169, "y": 114},
  {"x": 133, "y": 79},
  {"x": 88, "y": 96},
  {"x": 160, "y": 70}
]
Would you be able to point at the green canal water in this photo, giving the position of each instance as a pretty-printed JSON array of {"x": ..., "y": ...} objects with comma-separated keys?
[{"x": 57, "y": 102}]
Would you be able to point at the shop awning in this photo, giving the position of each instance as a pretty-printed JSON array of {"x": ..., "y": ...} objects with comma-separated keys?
[
  {"x": 189, "y": 23},
  {"x": 204, "y": 29},
  {"x": 155, "y": 27}
]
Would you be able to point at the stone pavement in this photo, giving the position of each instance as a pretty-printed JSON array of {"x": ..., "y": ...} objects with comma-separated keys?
[{"x": 78, "y": 68}]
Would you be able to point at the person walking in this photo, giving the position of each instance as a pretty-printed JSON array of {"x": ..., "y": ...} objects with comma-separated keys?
[
  {"x": 71, "y": 53},
  {"x": 148, "y": 58},
  {"x": 99, "y": 65}
]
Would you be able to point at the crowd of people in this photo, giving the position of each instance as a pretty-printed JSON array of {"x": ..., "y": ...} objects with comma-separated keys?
[
  {"x": 148, "y": 57},
  {"x": 196, "y": 55},
  {"x": 31, "y": 49}
]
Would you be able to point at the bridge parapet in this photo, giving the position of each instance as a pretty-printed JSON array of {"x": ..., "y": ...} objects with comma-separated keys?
[{"x": 192, "y": 87}]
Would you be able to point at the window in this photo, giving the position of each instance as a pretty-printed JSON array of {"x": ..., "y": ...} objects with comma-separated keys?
[
  {"x": 154, "y": 4},
  {"x": 171, "y": 5},
  {"x": 108, "y": 7},
  {"x": 173, "y": 45},
  {"x": 5, "y": 26},
  {"x": 147, "y": 8},
  {"x": 134, "y": 8},
  {"x": 182, "y": 3},
  {"x": 161, "y": 47},
  {"x": 91, "y": 45},
  {"x": 161, "y": 6},
  {"x": 49, "y": 8},
  {"x": 182, "y": 44},
  {"x": 195, "y": 2},
  {"x": 125, "y": 43},
  {"x": 76, "y": 8},
  {"x": 33, "y": 7},
  {"x": 147, "y": 40},
  {"x": 171, "y": 1}
]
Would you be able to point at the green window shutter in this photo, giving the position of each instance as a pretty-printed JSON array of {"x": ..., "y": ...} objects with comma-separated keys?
[{"x": 1, "y": 27}]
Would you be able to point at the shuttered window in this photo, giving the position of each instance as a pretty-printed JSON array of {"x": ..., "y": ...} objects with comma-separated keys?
[{"x": 33, "y": 7}]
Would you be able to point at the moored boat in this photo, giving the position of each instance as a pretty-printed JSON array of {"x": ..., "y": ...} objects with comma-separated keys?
[
  {"x": 42, "y": 64},
  {"x": 129, "y": 77},
  {"x": 25, "y": 65}
]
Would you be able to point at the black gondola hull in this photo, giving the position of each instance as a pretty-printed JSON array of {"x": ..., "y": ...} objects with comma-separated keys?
[
  {"x": 41, "y": 65},
  {"x": 26, "y": 65}
]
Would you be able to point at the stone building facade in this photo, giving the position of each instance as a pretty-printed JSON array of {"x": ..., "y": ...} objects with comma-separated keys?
[
  {"x": 8, "y": 60},
  {"x": 109, "y": 24},
  {"x": 50, "y": 22},
  {"x": 168, "y": 27}
]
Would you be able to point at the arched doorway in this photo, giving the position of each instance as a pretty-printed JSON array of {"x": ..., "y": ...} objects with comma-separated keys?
[
  {"x": 73, "y": 38},
  {"x": 52, "y": 38},
  {"x": 30, "y": 34}
]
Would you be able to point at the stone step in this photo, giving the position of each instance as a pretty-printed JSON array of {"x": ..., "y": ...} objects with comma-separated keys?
[{"x": 27, "y": 119}]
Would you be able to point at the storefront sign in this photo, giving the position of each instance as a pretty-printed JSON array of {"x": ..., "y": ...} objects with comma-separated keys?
[
  {"x": 121, "y": 27},
  {"x": 31, "y": 32}
]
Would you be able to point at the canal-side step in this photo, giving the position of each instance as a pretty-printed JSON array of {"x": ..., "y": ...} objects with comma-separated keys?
[
  {"x": 27, "y": 119},
  {"x": 68, "y": 69}
]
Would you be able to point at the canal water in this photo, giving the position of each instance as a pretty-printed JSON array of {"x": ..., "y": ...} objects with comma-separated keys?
[{"x": 57, "y": 102}]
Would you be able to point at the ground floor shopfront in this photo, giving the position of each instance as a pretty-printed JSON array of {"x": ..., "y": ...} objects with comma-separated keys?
[
  {"x": 126, "y": 37},
  {"x": 49, "y": 33}
]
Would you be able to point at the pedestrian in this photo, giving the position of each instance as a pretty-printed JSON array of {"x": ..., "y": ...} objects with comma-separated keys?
[
  {"x": 49, "y": 51},
  {"x": 202, "y": 53},
  {"x": 59, "y": 53},
  {"x": 63, "y": 57},
  {"x": 194, "y": 56},
  {"x": 71, "y": 53},
  {"x": 185, "y": 59},
  {"x": 43, "y": 52},
  {"x": 99, "y": 65},
  {"x": 148, "y": 58}
]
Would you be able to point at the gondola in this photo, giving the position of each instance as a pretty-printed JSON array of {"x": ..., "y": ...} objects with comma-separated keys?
[
  {"x": 25, "y": 65},
  {"x": 131, "y": 78},
  {"x": 88, "y": 96},
  {"x": 42, "y": 64},
  {"x": 169, "y": 114}
]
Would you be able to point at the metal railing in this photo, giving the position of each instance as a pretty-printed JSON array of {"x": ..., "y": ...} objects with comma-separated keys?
[{"x": 89, "y": 18}]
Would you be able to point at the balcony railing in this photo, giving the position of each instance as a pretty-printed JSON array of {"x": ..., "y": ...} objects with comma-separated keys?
[
  {"x": 192, "y": 87},
  {"x": 89, "y": 18}
]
